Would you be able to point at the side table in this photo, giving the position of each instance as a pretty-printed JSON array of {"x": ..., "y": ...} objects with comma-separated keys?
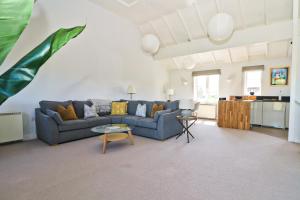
[{"x": 184, "y": 121}]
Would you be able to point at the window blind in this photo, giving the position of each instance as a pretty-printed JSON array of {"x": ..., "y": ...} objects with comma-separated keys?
[
  {"x": 253, "y": 68},
  {"x": 206, "y": 72}
]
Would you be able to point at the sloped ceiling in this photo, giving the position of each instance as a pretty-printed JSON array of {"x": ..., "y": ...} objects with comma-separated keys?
[{"x": 179, "y": 21}]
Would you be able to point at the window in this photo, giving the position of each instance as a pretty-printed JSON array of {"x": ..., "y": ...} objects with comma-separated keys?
[
  {"x": 206, "y": 88},
  {"x": 252, "y": 82}
]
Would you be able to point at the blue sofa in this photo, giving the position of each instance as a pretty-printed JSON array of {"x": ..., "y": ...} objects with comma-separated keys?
[{"x": 53, "y": 132}]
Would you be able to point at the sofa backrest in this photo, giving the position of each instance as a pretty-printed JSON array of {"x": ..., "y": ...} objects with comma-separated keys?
[
  {"x": 52, "y": 105},
  {"x": 132, "y": 105}
]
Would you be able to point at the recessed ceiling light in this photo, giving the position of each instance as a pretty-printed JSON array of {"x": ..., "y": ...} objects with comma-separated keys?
[{"x": 128, "y": 3}]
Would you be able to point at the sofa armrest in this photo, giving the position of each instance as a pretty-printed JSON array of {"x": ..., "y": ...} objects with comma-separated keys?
[
  {"x": 168, "y": 125},
  {"x": 46, "y": 128}
]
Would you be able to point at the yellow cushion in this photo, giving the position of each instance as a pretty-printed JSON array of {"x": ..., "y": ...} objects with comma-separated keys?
[
  {"x": 119, "y": 108},
  {"x": 67, "y": 113}
]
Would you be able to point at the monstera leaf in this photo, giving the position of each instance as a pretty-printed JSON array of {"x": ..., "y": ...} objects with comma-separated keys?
[
  {"x": 14, "y": 16},
  {"x": 23, "y": 72}
]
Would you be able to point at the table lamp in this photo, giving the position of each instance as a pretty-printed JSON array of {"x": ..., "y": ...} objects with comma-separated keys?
[
  {"x": 170, "y": 93},
  {"x": 131, "y": 90},
  {"x": 187, "y": 106}
]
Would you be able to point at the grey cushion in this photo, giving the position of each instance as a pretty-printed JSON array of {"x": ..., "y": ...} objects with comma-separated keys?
[
  {"x": 73, "y": 125},
  {"x": 159, "y": 113},
  {"x": 173, "y": 105},
  {"x": 79, "y": 107},
  {"x": 149, "y": 105},
  {"x": 147, "y": 123},
  {"x": 56, "y": 116},
  {"x": 98, "y": 121},
  {"x": 82, "y": 123},
  {"x": 116, "y": 119},
  {"x": 132, "y": 105},
  {"x": 131, "y": 120},
  {"x": 52, "y": 105}
]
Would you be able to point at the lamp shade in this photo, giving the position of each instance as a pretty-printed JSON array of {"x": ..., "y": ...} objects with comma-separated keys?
[
  {"x": 170, "y": 92},
  {"x": 150, "y": 43},
  {"x": 186, "y": 104},
  {"x": 131, "y": 90},
  {"x": 220, "y": 27}
]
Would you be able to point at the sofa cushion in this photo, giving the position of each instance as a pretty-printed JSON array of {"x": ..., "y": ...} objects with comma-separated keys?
[
  {"x": 159, "y": 113},
  {"x": 103, "y": 106},
  {"x": 52, "y": 105},
  {"x": 79, "y": 107},
  {"x": 155, "y": 108},
  {"x": 98, "y": 121},
  {"x": 149, "y": 105},
  {"x": 73, "y": 125},
  {"x": 83, "y": 123},
  {"x": 146, "y": 123},
  {"x": 55, "y": 115},
  {"x": 116, "y": 119},
  {"x": 131, "y": 120},
  {"x": 173, "y": 105},
  {"x": 141, "y": 110},
  {"x": 67, "y": 113},
  {"x": 119, "y": 108},
  {"x": 132, "y": 105}
]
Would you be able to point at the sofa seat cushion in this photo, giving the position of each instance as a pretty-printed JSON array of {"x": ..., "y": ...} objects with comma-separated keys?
[
  {"x": 131, "y": 120},
  {"x": 147, "y": 123},
  {"x": 116, "y": 119},
  {"x": 83, "y": 123},
  {"x": 73, "y": 125},
  {"x": 98, "y": 121}
]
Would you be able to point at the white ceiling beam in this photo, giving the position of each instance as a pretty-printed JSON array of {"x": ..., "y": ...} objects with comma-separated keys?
[
  {"x": 248, "y": 53},
  {"x": 156, "y": 33},
  {"x": 265, "y": 12},
  {"x": 176, "y": 63},
  {"x": 185, "y": 25},
  {"x": 280, "y": 31},
  {"x": 214, "y": 57},
  {"x": 201, "y": 20},
  {"x": 242, "y": 13},
  {"x": 230, "y": 56},
  {"x": 267, "y": 50},
  {"x": 170, "y": 29},
  {"x": 218, "y": 6}
]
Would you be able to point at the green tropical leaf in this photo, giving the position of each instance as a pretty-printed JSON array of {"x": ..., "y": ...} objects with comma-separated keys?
[
  {"x": 23, "y": 72},
  {"x": 14, "y": 17}
]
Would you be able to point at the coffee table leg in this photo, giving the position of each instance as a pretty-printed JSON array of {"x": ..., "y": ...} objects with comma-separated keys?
[
  {"x": 104, "y": 143},
  {"x": 130, "y": 137}
]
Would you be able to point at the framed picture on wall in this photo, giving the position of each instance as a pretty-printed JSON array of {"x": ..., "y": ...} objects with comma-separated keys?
[{"x": 279, "y": 76}]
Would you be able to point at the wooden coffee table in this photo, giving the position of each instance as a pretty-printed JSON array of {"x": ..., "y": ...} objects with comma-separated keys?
[{"x": 113, "y": 133}]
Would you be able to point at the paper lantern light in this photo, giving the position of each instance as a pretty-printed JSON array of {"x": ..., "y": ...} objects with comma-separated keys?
[
  {"x": 150, "y": 43},
  {"x": 220, "y": 27}
]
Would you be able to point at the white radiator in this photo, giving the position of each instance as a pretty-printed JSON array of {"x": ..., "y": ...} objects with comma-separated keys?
[
  {"x": 206, "y": 111},
  {"x": 11, "y": 127}
]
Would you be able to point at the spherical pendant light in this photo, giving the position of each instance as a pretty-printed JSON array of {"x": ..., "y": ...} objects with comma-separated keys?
[
  {"x": 150, "y": 43},
  {"x": 220, "y": 27}
]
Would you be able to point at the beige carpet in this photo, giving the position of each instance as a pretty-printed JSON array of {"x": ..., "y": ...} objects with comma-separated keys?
[{"x": 220, "y": 164}]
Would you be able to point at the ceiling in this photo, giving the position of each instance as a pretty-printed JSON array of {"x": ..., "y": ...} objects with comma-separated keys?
[
  {"x": 278, "y": 49},
  {"x": 178, "y": 21},
  {"x": 181, "y": 21}
]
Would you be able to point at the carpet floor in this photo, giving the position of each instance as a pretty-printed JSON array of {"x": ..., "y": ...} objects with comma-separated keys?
[{"x": 220, "y": 164}]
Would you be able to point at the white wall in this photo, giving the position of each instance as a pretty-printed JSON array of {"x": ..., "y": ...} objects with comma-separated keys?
[
  {"x": 233, "y": 72},
  {"x": 99, "y": 63}
]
